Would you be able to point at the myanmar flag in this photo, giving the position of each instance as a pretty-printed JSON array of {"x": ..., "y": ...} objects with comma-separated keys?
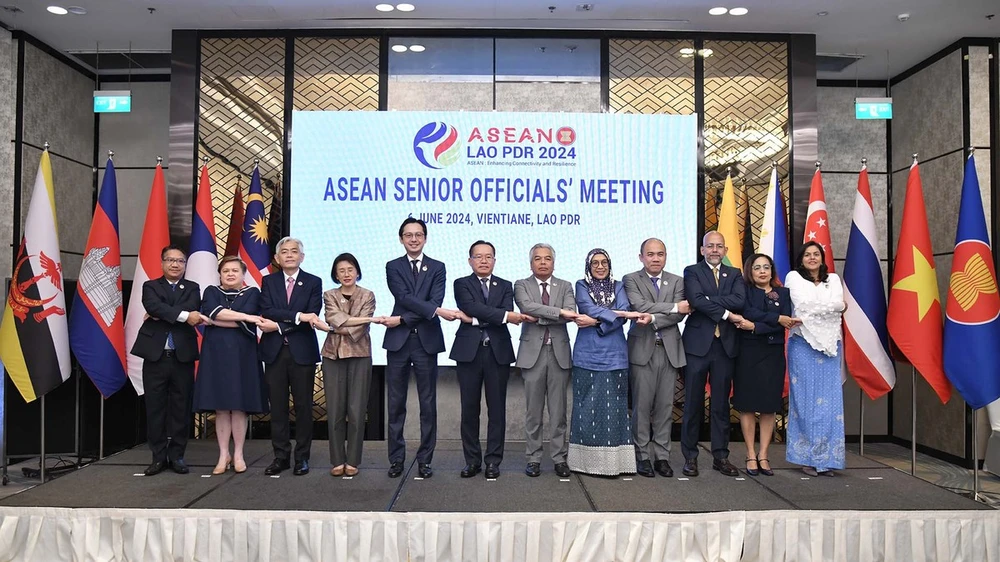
[
  {"x": 729, "y": 227},
  {"x": 34, "y": 338}
]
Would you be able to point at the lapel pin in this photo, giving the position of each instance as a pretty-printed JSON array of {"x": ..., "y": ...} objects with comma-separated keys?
[
  {"x": 725, "y": 275},
  {"x": 494, "y": 283},
  {"x": 425, "y": 268},
  {"x": 300, "y": 283},
  {"x": 343, "y": 300},
  {"x": 181, "y": 286}
]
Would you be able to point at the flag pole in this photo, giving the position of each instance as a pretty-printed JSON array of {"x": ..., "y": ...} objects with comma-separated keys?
[
  {"x": 100, "y": 440},
  {"x": 975, "y": 454},
  {"x": 913, "y": 421},
  {"x": 861, "y": 393},
  {"x": 76, "y": 421},
  {"x": 41, "y": 460}
]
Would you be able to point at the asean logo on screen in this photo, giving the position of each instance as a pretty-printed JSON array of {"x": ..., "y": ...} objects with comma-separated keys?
[
  {"x": 436, "y": 145},
  {"x": 972, "y": 294}
]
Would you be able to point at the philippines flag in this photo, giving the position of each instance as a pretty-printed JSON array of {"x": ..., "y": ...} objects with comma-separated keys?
[
  {"x": 203, "y": 261},
  {"x": 253, "y": 242},
  {"x": 96, "y": 328},
  {"x": 971, "y": 325},
  {"x": 866, "y": 338},
  {"x": 774, "y": 231},
  {"x": 155, "y": 236}
]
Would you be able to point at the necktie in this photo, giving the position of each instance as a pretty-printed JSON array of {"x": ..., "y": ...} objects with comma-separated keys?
[
  {"x": 656, "y": 287},
  {"x": 545, "y": 301},
  {"x": 170, "y": 335},
  {"x": 715, "y": 272},
  {"x": 486, "y": 297},
  {"x": 414, "y": 263},
  {"x": 288, "y": 288}
]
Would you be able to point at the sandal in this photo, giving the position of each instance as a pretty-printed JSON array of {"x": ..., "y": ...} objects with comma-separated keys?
[
  {"x": 765, "y": 471},
  {"x": 752, "y": 471}
]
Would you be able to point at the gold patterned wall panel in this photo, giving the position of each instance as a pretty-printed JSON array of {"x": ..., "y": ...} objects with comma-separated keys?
[
  {"x": 336, "y": 74},
  {"x": 650, "y": 77},
  {"x": 746, "y": 121}
]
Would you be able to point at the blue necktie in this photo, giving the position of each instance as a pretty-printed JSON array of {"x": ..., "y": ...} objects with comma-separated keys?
[
  {"x": 170, "y": 335},
  {"x": 656, "y": 284}
]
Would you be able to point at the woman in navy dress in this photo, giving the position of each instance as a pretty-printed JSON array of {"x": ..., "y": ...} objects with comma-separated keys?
[{"x": 230, "y": 378}]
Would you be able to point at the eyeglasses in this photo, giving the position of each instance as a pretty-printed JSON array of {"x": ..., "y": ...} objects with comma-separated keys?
[
  {"x": 599, "y": 263},
  {"x": 481, "y": 257},
  {"x": 763, "y": 267},
  {"x": 180, "y": 261},
  {"x": 413, "y": 235}
]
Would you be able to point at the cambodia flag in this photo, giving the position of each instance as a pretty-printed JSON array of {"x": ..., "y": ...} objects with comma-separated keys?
[
  {"x": 866, "y": 338},
  {"x": 203, "y": 261},
  {"x": 96, "y": 328},
  {"x": 253, "y": 242},
  {"x": 971, "y": 325}
]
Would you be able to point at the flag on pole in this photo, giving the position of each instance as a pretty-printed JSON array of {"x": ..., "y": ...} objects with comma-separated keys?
[
  {"x": 914, "y": 314},
  {"x": 235, "y": 224},
  {"x": 253, "y": 241},
  {"x": 866, "y": 338},
  {"x": 34, "y": 335},
  {"x": 817, "y": 223},
  {"x": 155, "y": 236},
  {"x": 96, "y": 327},
  {"x": 202, "y": 261},
  {"x": 972, "y": 312},
  {"x": 747, "y": 241},
  {"x": 729, "y": 227},
  {"x": 774, "y": 230}
]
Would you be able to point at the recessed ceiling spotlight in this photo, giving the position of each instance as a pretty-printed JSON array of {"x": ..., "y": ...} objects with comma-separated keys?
[
  {"x": 384, "y": 7},
  {"x": 417, "y": 48},
  {"x": 405, "y": 7},
  {"x": 687, "y": 51},
  {"x": 821, "y": 14},
  {"x": 399, "y": 48},
  {"x": 77, "y": 10},
  {"x": 718, "y": 11},
  {"x": 738, "y": 12},
  {"x": 57, "y": 10}
]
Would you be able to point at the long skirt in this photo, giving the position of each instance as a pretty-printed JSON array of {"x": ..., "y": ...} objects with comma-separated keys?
[
  {"x": 600, "y": 440},
  {"x": 815, "y": 407}
]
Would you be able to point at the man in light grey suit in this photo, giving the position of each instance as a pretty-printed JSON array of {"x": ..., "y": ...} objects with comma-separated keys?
[
  {"x": 655, "y": 353},
  {"x": 544, "y": 356}
]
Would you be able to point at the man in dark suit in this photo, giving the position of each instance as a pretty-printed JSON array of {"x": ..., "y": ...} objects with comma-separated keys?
[
  {"x": 291, "y": 298},
  {"x": 413, "y": 338},
  {"x": 483, "y": 354},
  {"x": 716, "y": 294},
  {"x": 168, "y": 344}
]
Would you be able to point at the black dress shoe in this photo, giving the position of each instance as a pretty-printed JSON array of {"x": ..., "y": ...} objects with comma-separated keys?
[
  {"x": 301, "y": 467},
  {"x": 644, "y": 468},
  {"x": 470, "y": 470},
  {"x": 725, "y": 467},
  {"x": 663, "y": 468},
  {"x": 276, "y": 466},
  {"x": 533, "y": 469},
  {"x": 396, "y": 469},
  {"x": 425, "y": 470},
  {"x": 179, "y": 467},
  {"x": 155, "y": 468},
  {"x": 690, "y": 467},
  {"x": 562, "y": 470},
  {"x": 492, "y": 470}
]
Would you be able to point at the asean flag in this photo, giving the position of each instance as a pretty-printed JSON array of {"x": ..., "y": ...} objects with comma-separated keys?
[
  {"x": 96, "y": 327},
  {"x": 972, "y": 312}
]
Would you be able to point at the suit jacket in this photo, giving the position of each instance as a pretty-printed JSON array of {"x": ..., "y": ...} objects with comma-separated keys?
[
  {"x": 643, "y": 298},
  {"x": 358, "y": 342},
  {"x": 490, "y": 314},
  {"x": 528, "y": 297},
  {"x": 416, "y": 302},
  {"x": 275, "y": 305},
  {"x": 764, "y": 313},
  {"x": 164, "y": 305},
  {"x": 708, "y": 304}
]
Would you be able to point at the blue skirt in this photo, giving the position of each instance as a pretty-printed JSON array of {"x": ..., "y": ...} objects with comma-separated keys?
[
  {"x": 600, "y": 439},
  {"x": 815, "y": 407}
]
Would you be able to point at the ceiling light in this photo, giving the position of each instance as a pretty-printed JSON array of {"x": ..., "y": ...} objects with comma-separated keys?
[
  {"x": 399, "y": 48},
  {"x": 57, "y": 10},
  {"x": 77, "y": 10},
  {"x": 384, "y": 7},
  {"x": 738, "y": 12},
  {"x": 718, "y": 11},
  {"x": 417, "y": 48},
  {"x": 405, "y": 7},
  {"x": 821, "y": 14},
  {"x": 687, "y": 51}
]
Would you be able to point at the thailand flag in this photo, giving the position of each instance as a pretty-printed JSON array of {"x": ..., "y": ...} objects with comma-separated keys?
[
  {"x": 774, "y": 231},
  {"x": 866, "y": 338},
  {"x": 203, "y": 261},
  {"x": 253, "y": 241},
  {"x": 96, "y": 328}
]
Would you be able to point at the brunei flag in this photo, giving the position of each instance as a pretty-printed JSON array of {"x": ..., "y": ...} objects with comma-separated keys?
[
  {"x": 34, "y": 338},
  {"x": 729, "y": 227}
]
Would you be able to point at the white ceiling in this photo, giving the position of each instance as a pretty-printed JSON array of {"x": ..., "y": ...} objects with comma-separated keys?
[{"x": 868, "y": 27}]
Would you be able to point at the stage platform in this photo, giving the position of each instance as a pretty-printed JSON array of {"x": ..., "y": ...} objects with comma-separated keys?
[{"x": 867, "y": 511}]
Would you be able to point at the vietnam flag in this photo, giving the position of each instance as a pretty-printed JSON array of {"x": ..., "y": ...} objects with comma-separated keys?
[
  {"x": 817, "y": 222},
  {"x": 914, "y": 315}
]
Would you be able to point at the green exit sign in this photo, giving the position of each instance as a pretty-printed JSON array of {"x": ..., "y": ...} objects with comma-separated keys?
[
  {"x": 873, "y": 108},
  {"x": 112, "y": 101}
]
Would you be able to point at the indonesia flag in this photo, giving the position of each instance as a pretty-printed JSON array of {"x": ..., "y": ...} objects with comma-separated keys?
[
  {"x": 155, "y": 236},
  {"x": 203, "y": 261},
  {"x": 253, "y": 241},
  {"x": 866, "y": 338},
  {"x": 96, "y": 329}
]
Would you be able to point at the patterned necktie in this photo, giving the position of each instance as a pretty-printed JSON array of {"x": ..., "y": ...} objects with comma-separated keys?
[
  {"x": 288, "y": 288},
  {"x": 170, "y": 335},
  {"x": 414, "y": 263},
  {"x": 545, "y": 301},
  {"x": 715, "y": 272}
]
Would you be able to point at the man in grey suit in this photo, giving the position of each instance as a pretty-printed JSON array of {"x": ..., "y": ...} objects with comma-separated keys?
[
  {"x": 544, "y": 356},
  {"x": 655, "y": 353}
]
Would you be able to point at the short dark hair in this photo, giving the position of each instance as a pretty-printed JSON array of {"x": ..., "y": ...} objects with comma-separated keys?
[
  {"x": 482, "y": 243},
  {"x": 230, "y": 259},
  {"x": 168, "y": 247},
  {"x": 344, "y": 257},
  {"x": 801, "y": 269},
  {"x": 411, "y": 220},
  {"x": 748, "y": 269}
]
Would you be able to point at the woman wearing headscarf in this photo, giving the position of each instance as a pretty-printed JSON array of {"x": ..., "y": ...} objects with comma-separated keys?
[{"x": 600, "y": 431}]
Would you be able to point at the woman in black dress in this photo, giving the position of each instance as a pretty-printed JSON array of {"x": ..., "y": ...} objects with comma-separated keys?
[
  {"x": 230, "y": 378},
  {"x": 760, "y": 367}
]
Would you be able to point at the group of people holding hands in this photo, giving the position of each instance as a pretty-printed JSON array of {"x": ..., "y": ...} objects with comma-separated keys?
[{"x": 734, "y": 332}]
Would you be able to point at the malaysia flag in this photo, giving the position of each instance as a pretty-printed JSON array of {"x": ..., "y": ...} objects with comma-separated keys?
[{"x": 253, "y": 241}]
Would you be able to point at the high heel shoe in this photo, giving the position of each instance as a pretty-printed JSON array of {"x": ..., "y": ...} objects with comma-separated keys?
[
  {"x": 752, "y": 471},
  {"x": 221, "y": 468},
  {"x": 765, "y": 471},
  {"x": 239, "y": 467}
]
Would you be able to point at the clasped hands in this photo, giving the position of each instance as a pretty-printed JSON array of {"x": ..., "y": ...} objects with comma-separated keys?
[{"x": 742, "y": 323}]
